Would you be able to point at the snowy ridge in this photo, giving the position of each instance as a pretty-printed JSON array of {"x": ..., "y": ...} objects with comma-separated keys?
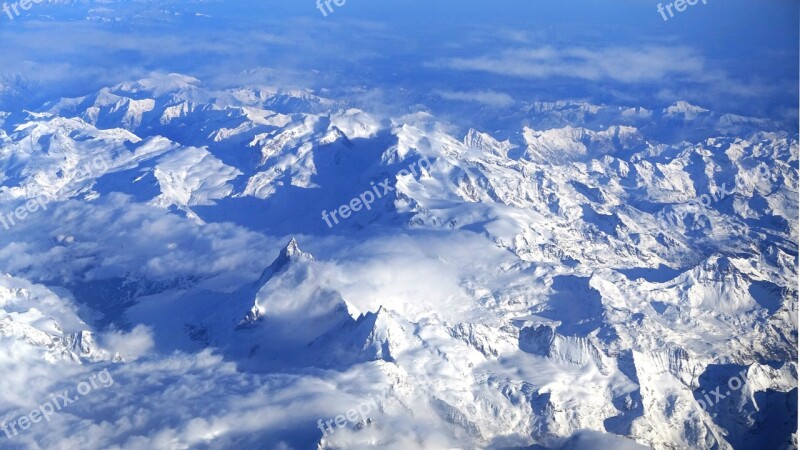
[{"x": 574, "y": 300}]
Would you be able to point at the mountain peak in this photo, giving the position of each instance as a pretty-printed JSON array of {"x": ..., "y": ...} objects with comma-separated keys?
[
  {"x": 482, "y": 141},
  {"x": 291, "y": 252},
  {"x": 158, "y": 84},
  {"x": 291, "y": 249},
  {"x": 685, "y": 108}
]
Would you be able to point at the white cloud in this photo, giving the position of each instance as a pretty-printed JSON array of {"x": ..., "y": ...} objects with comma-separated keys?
[
  {"x": 138, "y": 342},
  {"x": 627, "y": 65},
  {"x": 201, "y": 401},
  {"x": 159, "y": 246}
]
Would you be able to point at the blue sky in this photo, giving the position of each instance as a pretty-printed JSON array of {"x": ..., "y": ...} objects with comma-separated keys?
[{"x": 733, "y": 56}]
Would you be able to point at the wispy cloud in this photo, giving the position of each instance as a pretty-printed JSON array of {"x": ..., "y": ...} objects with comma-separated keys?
[{"x": 627, "y": 65}]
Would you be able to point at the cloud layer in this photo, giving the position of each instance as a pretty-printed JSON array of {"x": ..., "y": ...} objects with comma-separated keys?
[{"x": 623, "y": 64}]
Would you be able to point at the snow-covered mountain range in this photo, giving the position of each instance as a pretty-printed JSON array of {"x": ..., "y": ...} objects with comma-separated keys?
[{"x": 583, "y": 280}]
